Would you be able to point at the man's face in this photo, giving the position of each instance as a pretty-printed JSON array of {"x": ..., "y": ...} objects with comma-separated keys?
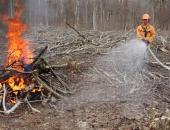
[{"x": 145, "y": 21}]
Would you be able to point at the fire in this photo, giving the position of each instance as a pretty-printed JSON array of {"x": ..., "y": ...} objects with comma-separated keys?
[
  {"x": 16, "y": 83},
  {"x": 18, "y": 47}
]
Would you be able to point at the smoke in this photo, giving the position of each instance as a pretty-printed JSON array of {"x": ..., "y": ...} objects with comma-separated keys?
[{"x": 37, "y": 12}]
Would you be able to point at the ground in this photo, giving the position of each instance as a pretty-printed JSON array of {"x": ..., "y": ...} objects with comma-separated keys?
[{"x": 97, "y": 102}]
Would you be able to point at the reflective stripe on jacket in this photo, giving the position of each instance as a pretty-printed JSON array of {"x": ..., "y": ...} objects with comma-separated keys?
[{"x": 146, "y": 32}]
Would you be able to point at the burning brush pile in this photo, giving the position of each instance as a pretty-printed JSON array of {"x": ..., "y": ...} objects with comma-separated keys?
[{"x": 23, "y": 77}]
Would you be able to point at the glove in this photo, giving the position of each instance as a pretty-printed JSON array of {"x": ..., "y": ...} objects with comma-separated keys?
[{"x": 146, "y": 41}]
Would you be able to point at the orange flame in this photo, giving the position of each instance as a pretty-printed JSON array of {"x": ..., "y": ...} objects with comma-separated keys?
[
  {"x": 18, "y": 47},
  {"x": 17, "y": 83}
]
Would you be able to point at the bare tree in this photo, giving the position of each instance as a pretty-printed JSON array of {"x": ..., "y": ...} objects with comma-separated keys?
[{"x": 95, "y": 14}]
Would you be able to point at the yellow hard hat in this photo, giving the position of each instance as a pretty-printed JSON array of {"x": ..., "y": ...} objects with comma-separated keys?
[{"x": 145, "y": 16}]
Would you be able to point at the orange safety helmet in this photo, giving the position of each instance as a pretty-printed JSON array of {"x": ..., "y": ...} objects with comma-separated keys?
[{"x": 146, "y": 16}]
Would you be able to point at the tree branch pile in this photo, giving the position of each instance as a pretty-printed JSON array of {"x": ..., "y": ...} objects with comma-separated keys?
[
  {"x": 71, "y": 42},
  {"x": 36, "y": 85}
]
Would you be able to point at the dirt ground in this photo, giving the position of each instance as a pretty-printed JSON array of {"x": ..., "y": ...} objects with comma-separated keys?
[{"x": 96, "y": 103}]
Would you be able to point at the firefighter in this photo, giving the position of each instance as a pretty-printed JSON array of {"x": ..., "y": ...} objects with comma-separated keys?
[{"x": 145, "y": 31}]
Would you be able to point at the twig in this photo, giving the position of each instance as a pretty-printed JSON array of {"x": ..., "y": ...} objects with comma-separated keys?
[
  {"x": 153, "y": 55},
  {"x": 4, "y": 96},
  {"x": 34, "y": 109},
  {"x": 109, "y": 78},
  {"x": 47, "y": 87},
  {"x": 11, "y": 64},
  {"x": 33, "y": 101},
  {"x": 152, "y": 62},
  {"x": 76, "y": 31},
  {"x": 55, "y": 87},
  {"x": 4, "y": 106},
  {"x": 60, "y": 80},
  {"x": 149, "y": 74},
  {"x": 62, "y": 91},
  {"x": 13, "y": 108},
  {"x": 57, "y": 66},
  {"x": 39, "y": 56},
  {"x": 161, "y": 76},
  {"x": 11, "y": 72},
  {"x": 55, "y": 75},
  {"x": 22, "y": 72}
]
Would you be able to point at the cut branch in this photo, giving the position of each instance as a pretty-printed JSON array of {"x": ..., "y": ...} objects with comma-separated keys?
[
  {"x": 82, "y": 36},
  {"x": 40, "y": 54},
  {"x": 47, "y": 87},
  {"x": 4, "y": 97},
  {"x": 32, "y": 108},
  {"x": 153, "y": 55}
]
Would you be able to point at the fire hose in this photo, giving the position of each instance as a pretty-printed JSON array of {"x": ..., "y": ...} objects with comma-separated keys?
[{"x": 161, "y": 64}]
